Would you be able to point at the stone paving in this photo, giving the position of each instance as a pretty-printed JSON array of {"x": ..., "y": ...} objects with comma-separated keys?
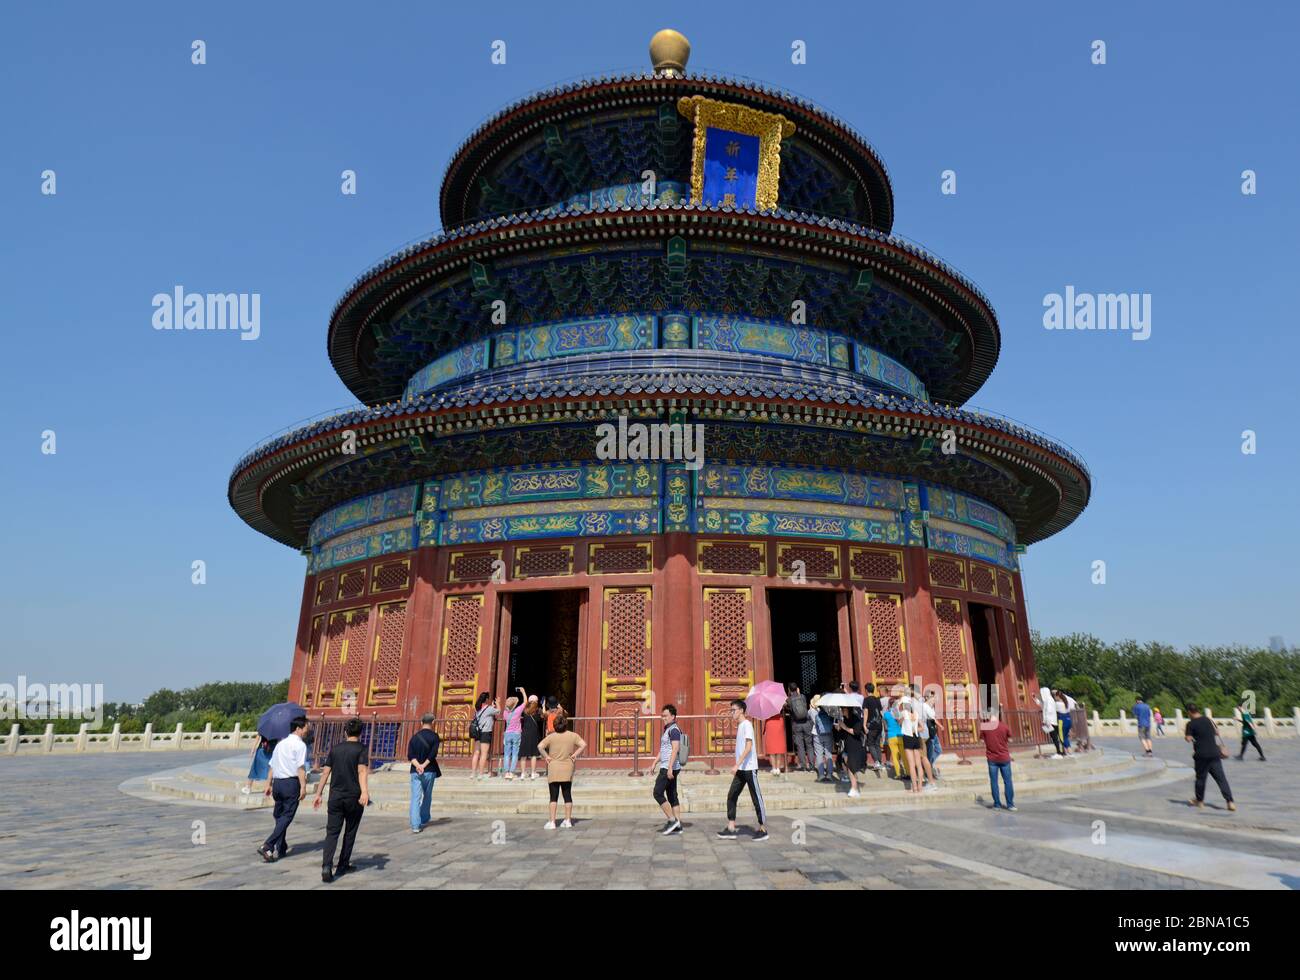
[{"x": 66, "y": 824}]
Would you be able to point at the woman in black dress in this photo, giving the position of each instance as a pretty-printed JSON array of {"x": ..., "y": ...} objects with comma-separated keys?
[
  {"x": 854, "y": 752},
  {"x": 530, "y": 730}
]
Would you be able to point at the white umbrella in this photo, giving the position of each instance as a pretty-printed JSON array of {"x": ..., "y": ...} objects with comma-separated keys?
[{"x": 840, "y": 701}]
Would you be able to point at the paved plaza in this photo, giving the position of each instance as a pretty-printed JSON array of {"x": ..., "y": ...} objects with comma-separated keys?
[{"x": 66, "y": 824}]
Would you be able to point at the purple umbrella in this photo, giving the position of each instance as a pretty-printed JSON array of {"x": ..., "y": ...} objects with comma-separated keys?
[
  {"x": 764, "y": 700},
  {"x": 274, "y": 723}
]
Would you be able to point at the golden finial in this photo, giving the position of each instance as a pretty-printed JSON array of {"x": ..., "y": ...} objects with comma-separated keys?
[{"x": 669, "y": 52}]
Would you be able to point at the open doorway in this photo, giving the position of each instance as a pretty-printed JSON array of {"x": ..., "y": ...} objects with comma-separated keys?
[
  {"x": 984, "y": 639},
  {"x": 544, "y": 644},
  {"x": 805, "y": 638}
]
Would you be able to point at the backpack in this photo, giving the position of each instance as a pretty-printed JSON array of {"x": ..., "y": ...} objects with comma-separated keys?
[
  {"x": 683, "y": 747},
  {"x": 474, "y": 728},
  {"x": 799, "y": 707}
]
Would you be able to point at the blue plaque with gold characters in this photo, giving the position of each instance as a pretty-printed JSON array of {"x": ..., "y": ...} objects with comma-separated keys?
[{"x": 736, "y": 156}]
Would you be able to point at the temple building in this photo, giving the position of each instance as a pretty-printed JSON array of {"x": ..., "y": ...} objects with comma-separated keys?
[{"x": 704, "y": 267}]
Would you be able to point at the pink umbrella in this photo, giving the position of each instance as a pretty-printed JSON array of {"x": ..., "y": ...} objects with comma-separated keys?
[{"x": 765, "y": 699}]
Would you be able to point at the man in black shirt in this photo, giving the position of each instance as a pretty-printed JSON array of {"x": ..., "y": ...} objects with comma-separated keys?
[
  {"x": 1207, "y": 757},
  {"x": 347, "y": 768},
  {"x": 422, "y": 751}
]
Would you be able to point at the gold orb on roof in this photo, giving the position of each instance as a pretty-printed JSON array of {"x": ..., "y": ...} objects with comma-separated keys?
[{"x": 669, "y": 52}]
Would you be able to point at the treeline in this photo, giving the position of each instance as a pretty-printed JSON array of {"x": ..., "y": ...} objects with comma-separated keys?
[
  {"x": 1109, "y": 676},
  {"x": 221, "y": 704}
]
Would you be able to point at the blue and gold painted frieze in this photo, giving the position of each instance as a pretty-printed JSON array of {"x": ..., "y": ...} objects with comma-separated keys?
[
  {"x": 718, "y": 518},
  {"x": 371, "y": 509},
  {"x": 580, "y": 519},
  {"x": 526, "y": 484},
  {"x": 776, "y": 482},
  {"x": 961, "y": 509},
  {"x": 741, "y": 336},
  {"x": 969, "y": 546},
  {"x": 628, "y": 195},
  {"x": 888, "y": 371},
  {"x": 594, "y": 335},
  {"x": 463, "y": 361},
  {"x": 386, "y": 538}
]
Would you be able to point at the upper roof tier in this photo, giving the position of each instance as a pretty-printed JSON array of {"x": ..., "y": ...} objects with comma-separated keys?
[{"x": 586, "y": 137}]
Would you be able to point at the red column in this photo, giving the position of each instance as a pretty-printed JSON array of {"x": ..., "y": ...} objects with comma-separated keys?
[
  {"x": 919, "y": 620},
  {"x": 678, "y": 654},
  {"x": 419, "y": 672},
  {"x": 302, "y": 640}
]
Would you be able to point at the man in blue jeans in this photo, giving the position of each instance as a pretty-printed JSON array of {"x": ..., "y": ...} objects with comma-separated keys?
[
  {"x": 423, "y": 755},
  {"x": 997, "y": 749}
]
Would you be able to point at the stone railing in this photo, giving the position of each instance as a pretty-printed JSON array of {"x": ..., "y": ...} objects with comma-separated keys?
[
  {"x": 117, "y": 740},
  {"x": 1266, "y": 724}
]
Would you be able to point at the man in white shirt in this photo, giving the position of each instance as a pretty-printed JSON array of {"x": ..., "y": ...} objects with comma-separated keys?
[
  {"x": 287, "y": 786},
  {"x": 744, "y": 774}
]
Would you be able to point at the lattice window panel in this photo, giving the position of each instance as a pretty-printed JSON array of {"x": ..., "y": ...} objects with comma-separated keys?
[
  {"x": 391, "y": 576},
  {"x": 311, "y": 670},
  {"x": 386, "y": 662},
  {"x": 327, "y": 689},
  {"x": 728, "y": 633},
  {"x": 1013, "y": 631},
  {"x": 948, "y": 572},
  {"x": 538, "y": 562},
  {"x": 819, "y": 561},
  {"x": 627, "y": 632},
  {"x": 324, "y": 590},
  {"x": 885, "y": 638},
  {"x": 732, "y": 558},
  {"x": 981, "y": 579},
  {"x": 352, "y": 584},
  {"x": 952, "y": 641},
  {"x": 1006, "y": 587},
  {"x": 472, "y": 566},
  {"x": 462, "y": 636},
  {"x": 619, "y": 559},
  {"x": 876, "y": 564},
  {"x": 355, "y": 659}
]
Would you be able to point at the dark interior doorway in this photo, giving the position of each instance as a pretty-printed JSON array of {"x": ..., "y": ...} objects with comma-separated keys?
[
  {"x": 984, "y": 640},
  {"x": 805, "y": 638},
  {"x": 544, "y": 644}
]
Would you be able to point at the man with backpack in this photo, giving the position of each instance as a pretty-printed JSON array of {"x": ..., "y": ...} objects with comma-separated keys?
[
  {"x": 802, "y": 724},
  {"x": 673, "y": 750}
]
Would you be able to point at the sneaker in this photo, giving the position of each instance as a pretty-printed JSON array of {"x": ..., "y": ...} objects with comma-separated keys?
[
  {"x": 567, "y": 825},
  {"x": 677, "y": 827},
  {"x": 670, "y": 827},
  {"x": 535, "y": 774},
  {"x": 997, "y": 806},
  {"x": 852, "y": 792},
  {"x": 417, "y": 830},
  {"x": 931, "y": 788},
  {"x": 1231, "y": 805},
  {"x": 326, "y": 876},
  {"x": 511, "y": 775},
  {"x": 1011, "y": 809},
  {"x": 727, "y": 833},
  {"x": 759, "y": 835},
  {"x": 1195, "y": 803},
  {"x": 550, "y": 825}
]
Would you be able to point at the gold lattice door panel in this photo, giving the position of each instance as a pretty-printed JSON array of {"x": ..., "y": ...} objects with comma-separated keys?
[
  {"x": 311, "y": 669},
  {"x": 462, "y": 642},
  {"x": 954, "y": 665},
  {"x": 343, "y": 663},
  {"x": 886, "y": 638},
  {"x": 386, "y": 662},
  {"x": 1017, "y": 657},
  {"x": 728, "y": 656},
  {"x": 624, "y": 668}
]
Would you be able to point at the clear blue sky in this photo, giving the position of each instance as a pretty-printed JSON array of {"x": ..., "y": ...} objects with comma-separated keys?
[{"x": 225, "y": 177}]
